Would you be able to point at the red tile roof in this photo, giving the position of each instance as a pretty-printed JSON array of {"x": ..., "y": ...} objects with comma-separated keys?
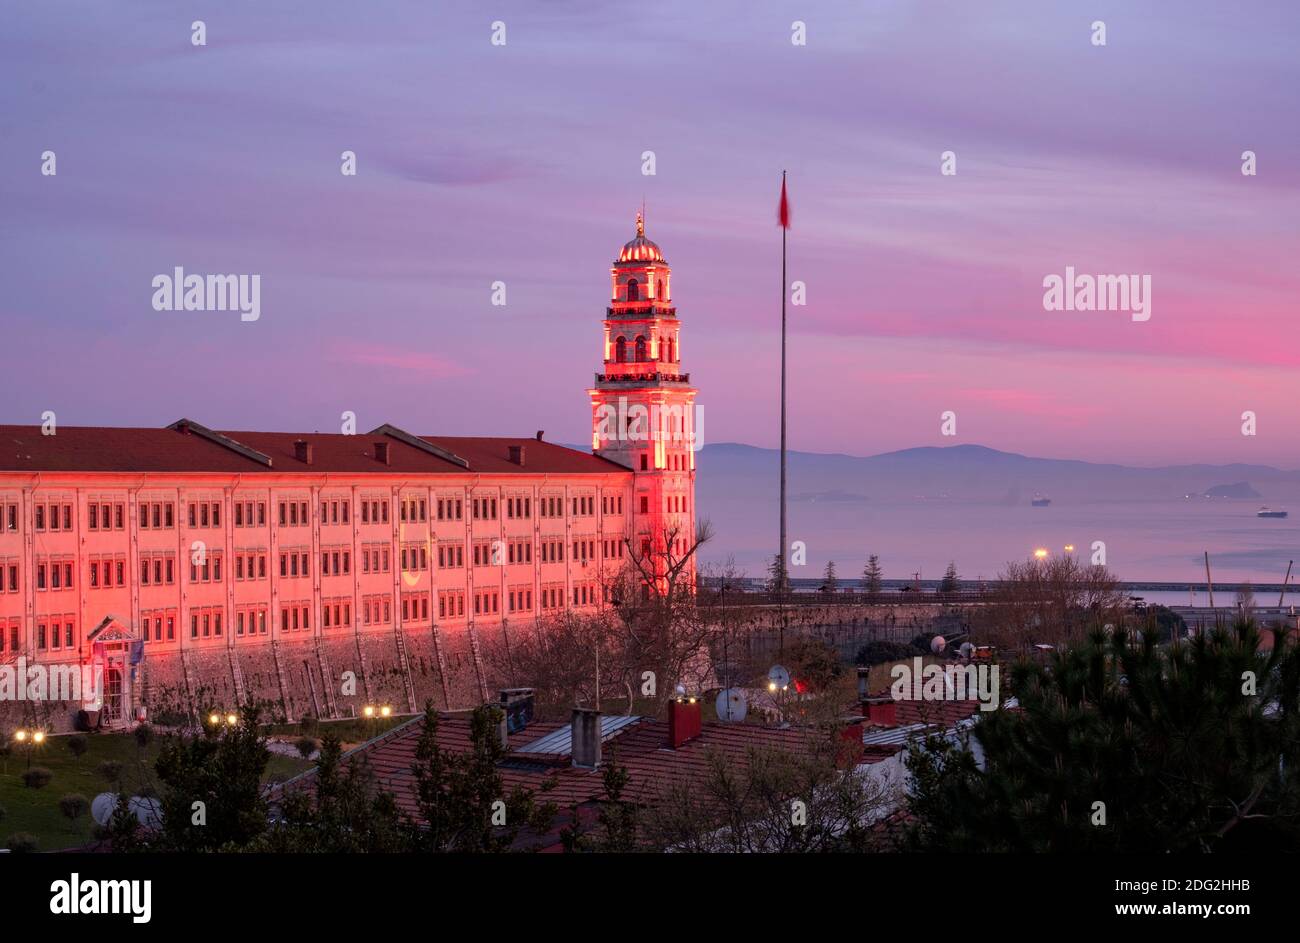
[
  {"x": 641, "y": 748},
  {"x": 103, "y": 449}
]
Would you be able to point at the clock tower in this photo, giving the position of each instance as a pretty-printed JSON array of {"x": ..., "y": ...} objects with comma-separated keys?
[{"x": 643, "y": 405}]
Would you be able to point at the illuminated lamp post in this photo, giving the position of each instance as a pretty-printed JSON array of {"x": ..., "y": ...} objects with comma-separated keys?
[{"x": 29, "y": 740}]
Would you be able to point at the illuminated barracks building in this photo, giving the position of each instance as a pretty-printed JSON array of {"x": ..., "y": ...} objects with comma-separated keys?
[{"x": 206, "y": 569}]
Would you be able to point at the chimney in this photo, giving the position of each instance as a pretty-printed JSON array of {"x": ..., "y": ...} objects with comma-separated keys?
[
  {"x": 302, "y": 451},
  {"x": 540, "y": 433},
  {"x": 586, "y": 737},
  {"x": 684, "y": 720},
  {"x": 863, "y": 674},
  {"x": 850, "y": 751},
  {"x": 882, "y": 711},
  {"x": 517, "y": 455},
  {"x": 516, "y": 706},
  {"x": 381, "y": 452}
]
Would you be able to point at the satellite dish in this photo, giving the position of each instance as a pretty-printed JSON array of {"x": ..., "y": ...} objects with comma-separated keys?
[
  {"x": 938, "y": 644},
  {"x": 778, "y": 679},
  {"x": 732, "y": 705},
  {"x": 148, "y": 812},
  {"x": 102, "y": 806}
]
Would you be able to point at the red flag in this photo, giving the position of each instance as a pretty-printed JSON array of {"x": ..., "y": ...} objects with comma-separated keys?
[{"x": 783, "y": 213}]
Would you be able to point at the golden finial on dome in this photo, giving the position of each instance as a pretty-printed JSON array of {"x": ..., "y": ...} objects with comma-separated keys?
[{"x": 640, "y": 224}]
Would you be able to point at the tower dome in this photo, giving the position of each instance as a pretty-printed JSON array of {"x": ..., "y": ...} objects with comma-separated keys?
[{"x": 640, "y": 249}]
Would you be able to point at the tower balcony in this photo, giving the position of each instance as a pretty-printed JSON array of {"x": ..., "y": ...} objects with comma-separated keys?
[
  {"x": 641, "y": 309},
  {"x": 682, "y": 378}
]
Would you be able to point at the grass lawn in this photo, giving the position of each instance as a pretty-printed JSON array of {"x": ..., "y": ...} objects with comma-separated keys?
[{"x": 36, "y": 811}]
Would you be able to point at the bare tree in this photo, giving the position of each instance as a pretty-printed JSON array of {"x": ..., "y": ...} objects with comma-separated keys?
[
  {"x": 1054, "y": 600},
  {"x": 808, "y": 798}
]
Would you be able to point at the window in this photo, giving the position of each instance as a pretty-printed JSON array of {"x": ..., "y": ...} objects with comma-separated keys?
[
  {"x": 633, "y": 290},
  {"x": 620, "y": 350}
]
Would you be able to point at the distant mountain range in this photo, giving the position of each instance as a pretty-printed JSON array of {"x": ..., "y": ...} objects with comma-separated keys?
[
  {"x": 920, "y": 508},
  {"x": 968, "y": 473}
]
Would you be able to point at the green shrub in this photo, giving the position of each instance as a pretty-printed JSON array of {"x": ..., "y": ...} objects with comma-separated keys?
[
  {"x": 74, "y": 806},
  {"x": 38, "y": 777},
  {"x": 111, "y": 770},
  {"x": 21, "y": 843}
]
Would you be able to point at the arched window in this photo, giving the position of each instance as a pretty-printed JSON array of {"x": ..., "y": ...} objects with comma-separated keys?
[
  {"x": 640, "y": 349},
  {"x": 633, "y": 290},
  {"x": 620, "y": 350},
  {"x": 670, "y": 345},
  {"x": 663, "y": 295}
]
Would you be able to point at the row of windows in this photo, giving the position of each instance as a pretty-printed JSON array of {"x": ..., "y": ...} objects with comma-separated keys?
[
  {"x": 59, "y": 516},
  {"x": 245, "y": 516},
  {"x": 336, "y": 613},
  {"x": 640, "y": 352},
  {"x": 206, "y": 569},
  {"x": 107, "y": 572},
  {"x": 414, "y": 509},
  {"x": 153, "y": 620},
  {"x": 59, "y": 632},
  {"x": 335, "y": 562},
  {"x": 294, "y": 514},
  {"x": 297, "y": 563},
  {"x": 205, "y": 514},
  {"x": 520, "y": 600},
  {"x": 415, "y": 606},
  {"x": 158, "y": 569},
  {"x": 208, "y": 620},
  {"x": 374, "y": 512},
  {"x": 11, "y": 631},
  {"x": 451, "y": 603},
  {"x": 295, "y": 617},
  {"x": 487, "y": 603},
  {"x": 250, "y": 620},
  {"x": 373, "y": 606},
  {"x": 375, "y": 559},
  {"x": 53, "y": 574},
  {"x": 155, "y": 515},
  {"x": 250, "y": 566},
  {"x": 415, "y": 558}
]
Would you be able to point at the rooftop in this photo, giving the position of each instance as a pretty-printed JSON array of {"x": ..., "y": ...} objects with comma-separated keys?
[{"x": 187, "y": 446}]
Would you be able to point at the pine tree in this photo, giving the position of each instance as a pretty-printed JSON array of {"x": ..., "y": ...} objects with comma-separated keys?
[
  {"x": 871, "y": 576},
  {"x": 1121, "y": 745},
  {"x": 830, "y": 584},
  {"x": 951, "y": 582},
  {"x": 778, "y": 578}
]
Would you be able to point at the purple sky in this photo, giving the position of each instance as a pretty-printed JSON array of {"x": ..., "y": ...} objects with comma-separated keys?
[{"x": 523, "y": 164}]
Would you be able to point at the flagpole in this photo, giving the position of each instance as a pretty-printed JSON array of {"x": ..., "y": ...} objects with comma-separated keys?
[{"x": 781, "y": 571}]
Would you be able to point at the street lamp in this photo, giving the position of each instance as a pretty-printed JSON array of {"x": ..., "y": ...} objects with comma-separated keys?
[{"x": 30, "y": 739}]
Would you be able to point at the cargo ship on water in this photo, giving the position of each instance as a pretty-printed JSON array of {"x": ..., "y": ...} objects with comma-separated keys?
[
  {"x": 1269, "y": 512},
  {"x": 1041, "y": 501}
]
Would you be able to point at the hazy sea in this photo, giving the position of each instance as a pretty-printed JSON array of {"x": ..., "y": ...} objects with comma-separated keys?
[{"x": 1156, "y": 540}]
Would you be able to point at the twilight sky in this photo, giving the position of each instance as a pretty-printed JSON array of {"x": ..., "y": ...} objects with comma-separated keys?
[{"x": 522, "y": 163}]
